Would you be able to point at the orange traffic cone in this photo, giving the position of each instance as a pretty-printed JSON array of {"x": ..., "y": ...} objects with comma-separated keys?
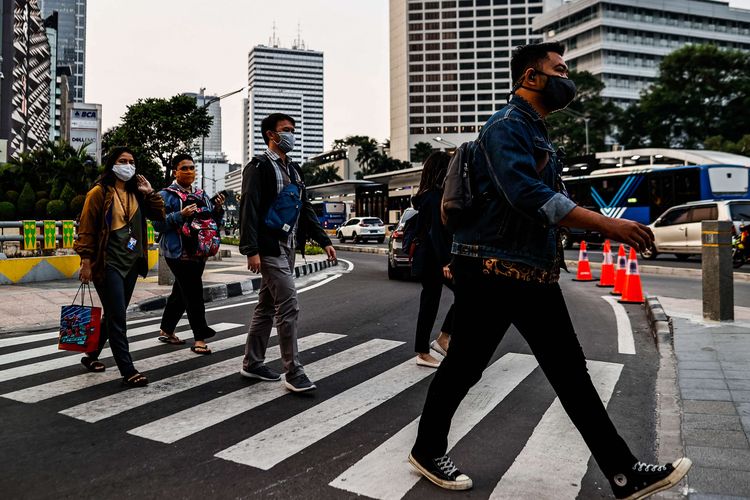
[
  {"x": 632, "y": 293},
  {"x": 607, "y": 278},
  {"x": 584, "y": 268},
  {"x": 622, "y": 266}
]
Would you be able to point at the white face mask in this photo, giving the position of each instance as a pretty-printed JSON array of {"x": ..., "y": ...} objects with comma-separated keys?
[{"x": 124, "y": 172}]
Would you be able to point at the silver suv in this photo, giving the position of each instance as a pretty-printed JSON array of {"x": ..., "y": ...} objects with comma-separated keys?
[{"x": 678, "y": 230}]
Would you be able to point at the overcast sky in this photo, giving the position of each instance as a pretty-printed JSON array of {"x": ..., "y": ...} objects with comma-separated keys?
[{"x": 159, "y": 48}]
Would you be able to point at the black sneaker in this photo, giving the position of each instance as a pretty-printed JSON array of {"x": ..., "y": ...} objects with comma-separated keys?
[
  {"x": 643, "y": 480},
  {"x": 261, "y": 373},
  {"x": 299, "y": 383},
  {"x": 442, "y": 472}
]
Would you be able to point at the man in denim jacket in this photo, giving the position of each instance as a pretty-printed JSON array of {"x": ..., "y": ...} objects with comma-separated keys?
[{"x": 506, "y": 267}]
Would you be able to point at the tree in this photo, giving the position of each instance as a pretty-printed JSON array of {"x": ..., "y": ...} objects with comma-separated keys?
[
  {"x": 718, "y": 143},
  {"x": 567, "y": 126},
  {"x": 421, "y": 151},
  {"x": 26, "y": 201},
  {"x": 157, "y": 130},
  {"x": 315, "y": 174},
  {"x": 702, "y": 91},
  {"x": 370, "y": 156}
]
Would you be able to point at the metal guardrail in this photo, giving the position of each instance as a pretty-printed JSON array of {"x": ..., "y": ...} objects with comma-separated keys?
[{"x": 19, "y": 225}]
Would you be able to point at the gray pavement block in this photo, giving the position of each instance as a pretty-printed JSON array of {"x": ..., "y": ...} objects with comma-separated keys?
[
  {"x": 740, "y": 396},
  {"x": 716, "y": 439},
  {"x": 716, "y": 374},
  {"x": 710, "y": 407},
  {"x": 717, "y": 422},
  {"x": 700, "y": 365},
  {"x": 706, "y": 480},
  {"x": 693, "y": 355},
  {"x": 719, "y": 458},
  {"x": 743, "y": 409},
  {"x": 703, "y": 383},
  {"x": 736, "y": 365},
  {"x": 700, "y": 496},
  {"x": 738, "y": 374},
  {"x": 738, "y": 384},
  {"x": 746, "y": 425},
  {"x": 706, "y": 394}
]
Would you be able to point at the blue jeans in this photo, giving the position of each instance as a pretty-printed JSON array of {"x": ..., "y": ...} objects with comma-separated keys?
[{"x": 115, "y": 294}]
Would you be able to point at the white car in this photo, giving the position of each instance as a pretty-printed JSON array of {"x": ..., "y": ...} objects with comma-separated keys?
[
  {"x": 678, "y": 230},
  {"x": 361, "y": 229}
]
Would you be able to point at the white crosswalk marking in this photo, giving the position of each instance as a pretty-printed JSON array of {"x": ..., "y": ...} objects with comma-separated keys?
[
  {"x": 556, "y": 448},
  {"x": 385, "y": 473},
  {"x": 94, "y": 411},
  {"x": 625, "y": 341},
  {"x": 268, "y": 448},
  {"x": 194, "y": 419},
  {"x": 71, "y": 360},
  {"x": 52, "y": 349},
  {"x": 26, "y": 339},
  {"x": 77, "y": 382}
]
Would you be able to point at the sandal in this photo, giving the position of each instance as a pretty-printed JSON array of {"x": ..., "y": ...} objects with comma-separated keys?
[
  {"x": 93, "y": 365},
  {"x": 137, "y": 380},
  {"x": 171, "y": 339},
  {"x": 200, "y": 349}
]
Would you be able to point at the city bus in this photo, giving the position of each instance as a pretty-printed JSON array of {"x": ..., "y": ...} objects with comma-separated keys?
[
  {"x": 331, "y": 214},
  {"x": 643, "y": 193}
]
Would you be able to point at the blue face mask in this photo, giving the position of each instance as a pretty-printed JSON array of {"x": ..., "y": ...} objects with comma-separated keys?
[{"x": 286, "y": 141}]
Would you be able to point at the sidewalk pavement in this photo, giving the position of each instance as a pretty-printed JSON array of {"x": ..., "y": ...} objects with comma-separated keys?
[
  {"x": 36, "y": 306},
  {"x": 713, "y": 390}
]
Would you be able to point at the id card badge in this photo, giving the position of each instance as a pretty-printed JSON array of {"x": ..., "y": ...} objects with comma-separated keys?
[{"x": 132, "y": 244}]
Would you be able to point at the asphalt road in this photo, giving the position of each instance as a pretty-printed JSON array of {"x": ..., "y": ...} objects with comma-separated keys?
[{"x": 201, "y": 431}]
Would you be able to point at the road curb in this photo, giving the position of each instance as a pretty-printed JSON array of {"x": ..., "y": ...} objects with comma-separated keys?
[
  {"x": 666, "y": 271},
  {"x": 221, "y": 291},
  {"x": 360, "y": 249},
  {"x": 669, "y": 442}
]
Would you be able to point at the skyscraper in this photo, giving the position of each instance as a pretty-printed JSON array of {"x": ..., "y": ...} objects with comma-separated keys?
[
  {"x": 450, "y": 66},
  {"x": 216, "y": 165},
  {"x": 622, "y": 42},
  {"x": 286, "y": 81},
  {"x": 71, "y": 41}
]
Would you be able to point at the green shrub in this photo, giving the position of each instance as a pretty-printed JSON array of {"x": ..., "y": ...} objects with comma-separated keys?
[
  {"x": 226, "y": 240},
  {"x": 76, "y": 204},
  {"x": 11, "y": 196},
  {"x": 313, "y": 250},
  {"x": 56, "y": 188},
  {"x": 56, "y": 209},
  {"x": 7, "y": 211},
  {"x": 26, "y": 201},
  {"x": 40, "y": 195},
  {"x": 40, "y": 209},
  {"x": 67, "y": 194}
]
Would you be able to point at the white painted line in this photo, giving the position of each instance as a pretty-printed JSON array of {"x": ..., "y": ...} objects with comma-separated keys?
[
  {"x": 77, "y": 382},
  {"x": 625, "y": 341},
  {"x": 385, "y": 472},
  {"x": 272, "y": 446},
  {"x": 349, "y": 263},
  {"x": 197, "y": 418},
  {"x": 555, "y": 450},
  {"x": 52, "y": 349},
  {"x": 64, "y": 361},
  {"x": 27, "y": 339},
  {"x": 109, "y": 406}
]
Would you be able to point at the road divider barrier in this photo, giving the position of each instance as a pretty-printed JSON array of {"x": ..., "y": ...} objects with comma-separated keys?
[
  {"x": 607, "y": 279},
  {"x": 632, "y": 292},
  {"x": 621, "y": 271},
  {"x": 584, "y": 267}
]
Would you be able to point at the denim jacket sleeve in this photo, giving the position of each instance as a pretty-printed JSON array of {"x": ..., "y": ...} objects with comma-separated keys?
[
  {"x": 173, "y": 220},
  {"x": 510, "y": 146}
]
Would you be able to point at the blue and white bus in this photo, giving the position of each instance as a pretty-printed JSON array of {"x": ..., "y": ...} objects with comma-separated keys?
[
  {"x": 331, "y": 214},
  {"x": 643, "y": 193}
]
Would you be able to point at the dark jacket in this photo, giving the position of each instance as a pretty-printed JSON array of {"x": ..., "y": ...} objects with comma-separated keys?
[
  {"x": 434, "y": 248},
  {"x": 96, "y": 221},
  {"x": 518, "y": 215},
  {"x": 258, "y": 194}
]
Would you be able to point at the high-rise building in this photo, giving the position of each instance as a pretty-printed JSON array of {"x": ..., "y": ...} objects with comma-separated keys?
[
  {"x": 286, "y": 81},
  {"x": 71, "y": 41},
  {"x": 25, "y": 87},
  {"x": 622, "y": 42},
  {"x": 209, "y": 148},
  {"x": 245, "y": 128},
  {"x": 450, "y": 66}
]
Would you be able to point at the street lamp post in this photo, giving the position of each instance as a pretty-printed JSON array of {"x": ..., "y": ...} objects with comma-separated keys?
[
  {"x": 443, "y": 141},
  {"x": 205, "y": 105}
]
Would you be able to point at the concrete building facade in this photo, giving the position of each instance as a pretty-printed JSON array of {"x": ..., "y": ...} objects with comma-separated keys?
[{"x": 71, "y": 41}]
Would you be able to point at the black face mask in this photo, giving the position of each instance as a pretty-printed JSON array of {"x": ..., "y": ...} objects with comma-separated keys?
[{"x": 557, "y": 94}]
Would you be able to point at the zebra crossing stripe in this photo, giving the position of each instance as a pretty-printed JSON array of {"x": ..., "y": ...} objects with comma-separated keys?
[
  {"x": 72, "y": 360},
  {"x": 77, "y": 382},
  {"x": 555, "y": 449},
  {"x": 385, "y": 472},
  {"x": 625, "y": 341},
  {"x": 268, "y": 448},
  {"x": 27, "y": 339},
  {"x": 52, "y": 349},
  {"x": 197, "y": 418},
  {"x": 109, "y": 406}
]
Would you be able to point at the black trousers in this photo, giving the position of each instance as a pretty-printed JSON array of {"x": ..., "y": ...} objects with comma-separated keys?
[
  {"x": 115, "y": 294},
  {"x": 187, "y": 295},
  {"x": 539, "y": 312},
  {"x": 429, "y": 302}
]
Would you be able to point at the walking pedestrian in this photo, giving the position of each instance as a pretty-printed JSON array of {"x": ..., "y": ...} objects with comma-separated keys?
[
  {"x": 270, "y": 248},
  {"x": 506, "y": 268},
  {"x": 112, "y": 245},
  {"x": 430, "y": 260},
  {"x": 183, "y": 252}
]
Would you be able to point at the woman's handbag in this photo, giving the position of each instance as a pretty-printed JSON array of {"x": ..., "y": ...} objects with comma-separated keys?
[{"x": 80, "y": 325}]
